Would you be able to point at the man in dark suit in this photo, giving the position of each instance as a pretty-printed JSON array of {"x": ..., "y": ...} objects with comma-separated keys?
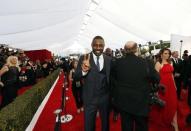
[
  {"x": 187, "y": 83},
  {"x": 131, "y": 76},
  {"x": 177, "y": 64},
  {"x": 94, "y": 68}
]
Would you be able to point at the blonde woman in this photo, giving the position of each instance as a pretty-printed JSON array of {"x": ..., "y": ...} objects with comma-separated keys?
[{"x": 9, "y": 74}]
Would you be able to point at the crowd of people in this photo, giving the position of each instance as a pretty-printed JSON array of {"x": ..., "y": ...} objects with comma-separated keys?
[
  {"x": 126, "y": 80},
  {"x": 17, "y": 71},
  {"x": 142, "y": 90}
]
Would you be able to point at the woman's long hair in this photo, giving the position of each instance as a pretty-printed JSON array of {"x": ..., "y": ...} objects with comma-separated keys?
[
  {"x": 73, "y": 62},
  {"x": 161, "y": 52}
]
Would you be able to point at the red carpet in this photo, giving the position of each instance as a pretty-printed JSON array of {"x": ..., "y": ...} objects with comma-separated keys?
[
  {"x": 183, "y": 111},
  {"x": 77, "y": 123},
  {"x": 47, "y": 118},
  {"x": 46, "y": 121},
  {"x": 23, "y": 89}
]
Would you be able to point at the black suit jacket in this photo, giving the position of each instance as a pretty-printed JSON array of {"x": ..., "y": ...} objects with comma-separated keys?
[
  {"x": 177, "y": 66},
  {"x": 186, "y": 69},
  {"x": 91, "y": 80},
  {"x": 130, "y": 76}
]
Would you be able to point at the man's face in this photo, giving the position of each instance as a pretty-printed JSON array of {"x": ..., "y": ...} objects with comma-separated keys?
[
  {"x": 98, "y": 47},
  {"x": 175, "y": 55}
]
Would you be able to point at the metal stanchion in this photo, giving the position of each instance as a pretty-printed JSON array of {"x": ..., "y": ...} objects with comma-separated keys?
[
  {"x": 57, "y": 126},
  {"x": 66, "y": 117},
  {"x": 181, "y": 41}
]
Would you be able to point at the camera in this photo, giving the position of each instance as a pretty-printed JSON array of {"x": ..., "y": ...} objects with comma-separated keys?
[{"x": 154, "y": 98}]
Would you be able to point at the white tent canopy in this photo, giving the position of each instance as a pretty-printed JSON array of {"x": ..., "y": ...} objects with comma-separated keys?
[{"x": 58, "y": 24}]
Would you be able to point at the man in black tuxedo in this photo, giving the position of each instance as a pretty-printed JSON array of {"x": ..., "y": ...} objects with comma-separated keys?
[
  {"x": 94, "y": 68},
  {"x": 177, "y": 64},
  {"x": 131, "y": 76}
]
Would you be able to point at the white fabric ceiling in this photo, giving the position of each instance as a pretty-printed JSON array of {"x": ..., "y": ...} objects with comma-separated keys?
[{"x": 58, "y": 25}]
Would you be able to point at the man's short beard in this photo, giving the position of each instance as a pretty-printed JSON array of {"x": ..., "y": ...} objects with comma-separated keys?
[{"x": 98, "y": 54}]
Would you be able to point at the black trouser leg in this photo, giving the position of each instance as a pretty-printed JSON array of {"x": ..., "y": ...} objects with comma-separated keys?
[
  {"x": 178, "y": 86},
  {"x": 80, "y": 97},
  {"x": 126, "y": 121},
  {"x": 141, "y": 123},
  {"x": 77, "y": 93},
  {"x": 133, "y": 123},
  {"x": 104, "y": 114},
  {"x": 90, "y": 116}
]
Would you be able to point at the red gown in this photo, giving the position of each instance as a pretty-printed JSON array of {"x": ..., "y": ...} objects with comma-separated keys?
[{"x": 160, "y": 118}]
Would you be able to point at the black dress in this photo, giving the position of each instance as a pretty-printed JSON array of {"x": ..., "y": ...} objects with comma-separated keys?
[{"x": 10, "y": 80}]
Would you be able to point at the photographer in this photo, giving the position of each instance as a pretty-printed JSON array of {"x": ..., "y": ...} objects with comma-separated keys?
[
  {"x": 131, "y": 88},
  {"x": 30, "y": 73}
]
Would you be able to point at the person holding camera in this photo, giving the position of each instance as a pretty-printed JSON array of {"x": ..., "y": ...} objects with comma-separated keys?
[
  {"x": 165, "y": 118},
  {"x": 130, "y": 82}
]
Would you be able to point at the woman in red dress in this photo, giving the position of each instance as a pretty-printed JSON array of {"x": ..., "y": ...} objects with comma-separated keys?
[{"x": 165, "y": 118}]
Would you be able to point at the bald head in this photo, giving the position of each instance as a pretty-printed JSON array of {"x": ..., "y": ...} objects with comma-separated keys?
[
  {"x": 130, "y": 47},
  {"x": 129, "y": 44}
]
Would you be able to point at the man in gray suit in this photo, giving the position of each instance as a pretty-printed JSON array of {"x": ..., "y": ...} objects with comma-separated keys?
[{"x": 94, "y": 68}]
